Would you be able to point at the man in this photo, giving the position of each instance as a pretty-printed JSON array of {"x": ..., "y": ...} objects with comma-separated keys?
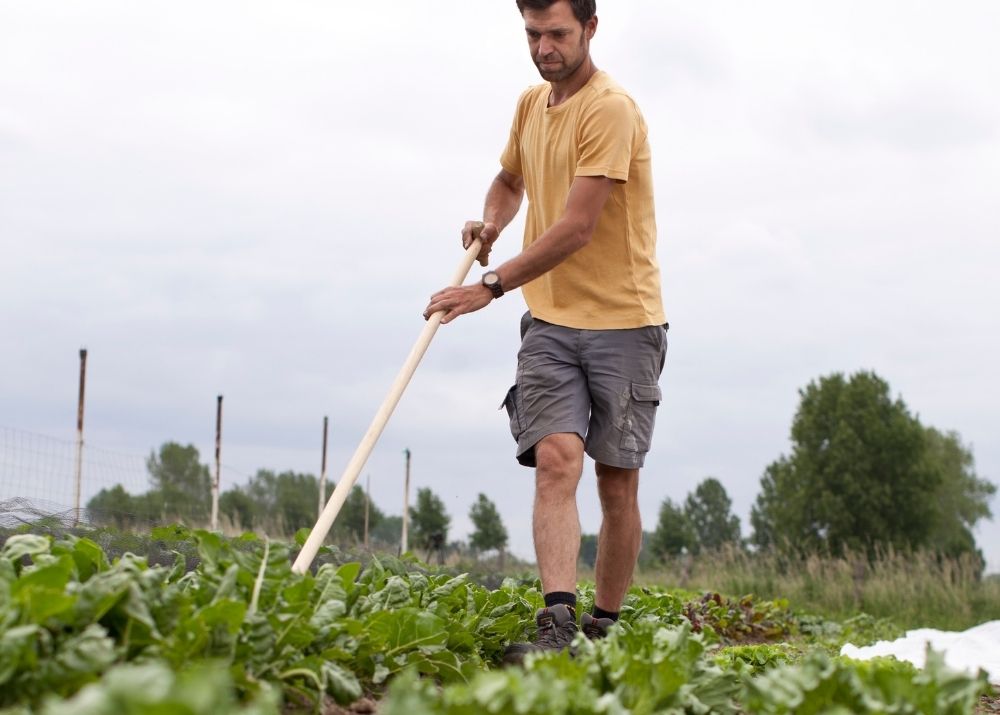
[{"x": 594, "y": 339}]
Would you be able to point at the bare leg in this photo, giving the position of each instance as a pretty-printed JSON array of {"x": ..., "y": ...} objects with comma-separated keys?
[
  {"x": 620, "y": 536},
  {"x": 556, "y": 522}
]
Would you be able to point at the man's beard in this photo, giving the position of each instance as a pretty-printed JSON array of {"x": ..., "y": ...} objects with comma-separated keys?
[
  {"x": 557, "y": 75},
  {"x": 561, "y": 74}
]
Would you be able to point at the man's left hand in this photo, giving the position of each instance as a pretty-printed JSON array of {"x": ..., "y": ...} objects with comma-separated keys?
[{"x": 458, "y": 301}]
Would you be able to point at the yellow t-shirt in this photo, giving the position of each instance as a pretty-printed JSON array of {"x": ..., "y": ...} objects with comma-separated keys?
[{"x": 614, "y": 281}]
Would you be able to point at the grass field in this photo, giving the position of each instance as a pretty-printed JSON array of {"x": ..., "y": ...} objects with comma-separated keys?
[{"x": 915, "y": 590}]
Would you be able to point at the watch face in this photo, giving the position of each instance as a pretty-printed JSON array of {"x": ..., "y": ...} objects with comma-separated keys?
[{"x": 492, "y": 281}]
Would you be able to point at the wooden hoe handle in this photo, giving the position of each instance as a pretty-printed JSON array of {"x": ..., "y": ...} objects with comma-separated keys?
[{"x": 364, "y": 450}]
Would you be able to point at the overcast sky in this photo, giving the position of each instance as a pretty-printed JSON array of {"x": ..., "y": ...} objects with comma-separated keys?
[{"x": 256, "y": 199}]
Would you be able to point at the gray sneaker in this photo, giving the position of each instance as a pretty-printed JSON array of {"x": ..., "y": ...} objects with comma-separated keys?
[
  {"x": 556, "y": 629},
  {"x": 595, "y": 628}
]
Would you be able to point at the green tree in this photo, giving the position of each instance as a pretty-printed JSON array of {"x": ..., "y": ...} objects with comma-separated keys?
[
  {"x": 285, "y": 502},
  {"x": 181, "y": 485},
  {"x": 388, "y": 531},
  {"x": 489, "y": 532},
  {"x": 770, "y": 510},
  {"x": 116, "y": 507},
  {"x": 647, "y": 559},
  {"x": 588, "y": 550},
  {"x": 239, "y": 508},
  {"x": 862, "y": 474},
  {"x": 673, "y": 534},
  {"x": 429, "y": 521},
  {"x": 350, "y": 523},
  {"x": 962, "y": 498},
  {"x": 708, "y": 511}
]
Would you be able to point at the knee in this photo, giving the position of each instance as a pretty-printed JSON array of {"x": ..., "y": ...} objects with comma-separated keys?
[
  {"x": 559, "y": 460},
  {"x": 618, "y": 489}
]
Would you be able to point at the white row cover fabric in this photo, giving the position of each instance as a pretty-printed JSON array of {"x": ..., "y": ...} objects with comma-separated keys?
[{"x": 978, "y": 647}]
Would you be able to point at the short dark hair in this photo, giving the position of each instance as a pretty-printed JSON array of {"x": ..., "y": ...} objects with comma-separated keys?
[{"x": 583, "y": 10}]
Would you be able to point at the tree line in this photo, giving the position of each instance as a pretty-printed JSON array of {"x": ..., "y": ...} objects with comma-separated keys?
[
  {"x": 863, "y": 475},
  {"x": 282, "y": 503}
]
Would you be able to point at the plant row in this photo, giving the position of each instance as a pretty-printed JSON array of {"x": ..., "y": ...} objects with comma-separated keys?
[{"x": 240, "y": 633}]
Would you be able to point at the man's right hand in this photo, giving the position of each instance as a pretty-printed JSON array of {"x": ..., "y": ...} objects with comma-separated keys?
[{"x": 487, "y": 232}]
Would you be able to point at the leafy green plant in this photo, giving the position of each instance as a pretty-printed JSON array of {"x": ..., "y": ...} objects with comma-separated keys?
[
  {"x": 647, "y": 668},
  {"x": 742, "y": 620},
  {"x": 68, "y": 616},
  {"x": 153, "y": 688},
  {"x": 753, "y": 658},
  {"x": 820, "y": 683},
  {"x": 223, "y": 626}
]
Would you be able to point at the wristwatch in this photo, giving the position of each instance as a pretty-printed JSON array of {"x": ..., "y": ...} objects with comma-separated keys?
[{"x": 492, "y": 281}]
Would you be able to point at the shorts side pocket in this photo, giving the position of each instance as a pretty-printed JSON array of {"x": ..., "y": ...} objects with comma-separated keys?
[
  {"x": 510, "y": 402},
  {"x": 640, "y": 417}
]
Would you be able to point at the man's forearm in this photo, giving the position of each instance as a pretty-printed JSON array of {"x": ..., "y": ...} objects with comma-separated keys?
[
  {"x": 563, "y": 238},
  {"x": 502, "y": 202},
  {"x": 566, "y": 236}
]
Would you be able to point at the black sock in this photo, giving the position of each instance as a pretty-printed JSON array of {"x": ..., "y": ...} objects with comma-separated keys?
[
  {"x": 601, "y": 613},
  {"x": 564, "y": 597}
]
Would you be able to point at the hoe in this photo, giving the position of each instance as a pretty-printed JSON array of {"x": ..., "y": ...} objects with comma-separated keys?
[{"x": 361, "y": 454}]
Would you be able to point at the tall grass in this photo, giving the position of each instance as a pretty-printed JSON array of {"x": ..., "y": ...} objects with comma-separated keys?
[{"x": 919, "y": 589}]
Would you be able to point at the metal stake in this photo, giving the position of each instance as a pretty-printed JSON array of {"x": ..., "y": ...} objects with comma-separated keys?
[
  {"x": 368, "y": 499},
  {"x": 404, "y": 542},
  {"x": 218, "y": 464},
  {"x": 322, "y": 475},
  {"x": 79, "y": 437}
]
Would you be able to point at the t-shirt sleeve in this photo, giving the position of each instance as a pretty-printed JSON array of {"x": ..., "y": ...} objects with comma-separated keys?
[
  {"x": 608, "y": 128},
  {"x": 510, "y": 159}
]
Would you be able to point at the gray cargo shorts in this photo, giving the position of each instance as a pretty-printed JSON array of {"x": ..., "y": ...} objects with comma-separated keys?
[{"x": 600, "y": 384}]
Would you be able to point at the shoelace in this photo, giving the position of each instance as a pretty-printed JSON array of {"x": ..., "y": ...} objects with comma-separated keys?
[{"x": 555, "y": 636}]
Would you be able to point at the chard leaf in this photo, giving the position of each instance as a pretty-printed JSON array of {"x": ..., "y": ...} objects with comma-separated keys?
[
  {"x": 381, "y": 673},
  {"x": 173, "y": 532},
  {"x": 77, "y": 660},
  {"x": 100, "y": 594},
  {"x": 15, "y": 644},
  {"x": 178, "y": 569},
  {"x": 210, "y": 548},
  {"x": 137, "y": 608},
  {"x": 396, "y": 594},
  {"x": 53, "y": 574},
  {"x": 227, "y": 586},
  {"x": 341, "y": 683},
  {"x": 20, "y": 545},
  {"x": 326, "y": 616},
  {"x": 408, "y": 629},
  {"x": 7, "y": 577},
  {"x": 296, "y": 635},
  {"x": 302, "y": 535},
  {"x": 227, "y": 614},
  {"x": 87, "y": 556},
  {"x": 40, "y": 592},
  {"x": 448, "y": 587},
  {"x": 348, "y": 574},
  {"x": 299, "y": 592}
]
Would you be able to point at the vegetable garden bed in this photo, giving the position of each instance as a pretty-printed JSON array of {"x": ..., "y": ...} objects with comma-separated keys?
[{"x": 227, "y": 628}]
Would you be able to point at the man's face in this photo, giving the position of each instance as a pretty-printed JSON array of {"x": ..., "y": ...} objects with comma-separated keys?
[{"x": 558, "y": 42}]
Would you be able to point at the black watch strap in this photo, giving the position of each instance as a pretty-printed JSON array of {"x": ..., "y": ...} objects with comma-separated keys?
[{"x": 492, "y": 281}]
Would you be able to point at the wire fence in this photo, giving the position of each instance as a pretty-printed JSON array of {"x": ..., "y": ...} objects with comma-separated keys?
[
  {"x": 38, "y": 477},
  {"x": 38, "y": 466},
  {"x": 38, "y": 485}
]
